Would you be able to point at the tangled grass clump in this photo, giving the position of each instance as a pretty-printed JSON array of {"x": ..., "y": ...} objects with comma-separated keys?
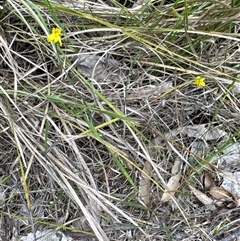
[{"x": 94, "y": 126}]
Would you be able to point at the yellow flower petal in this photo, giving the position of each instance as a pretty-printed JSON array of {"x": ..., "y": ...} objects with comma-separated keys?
[
  {"x": 199, "y": 81},
  {"x": 55, "y": 36},
  {"x": 57, "y": 31}
]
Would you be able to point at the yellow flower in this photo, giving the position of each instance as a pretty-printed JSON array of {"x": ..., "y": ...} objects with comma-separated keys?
[
  {"x": 199, "y": 81},
  {"x": 55, "y": 36}
]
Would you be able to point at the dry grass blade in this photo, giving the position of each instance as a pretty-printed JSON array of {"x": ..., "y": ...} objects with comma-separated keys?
[{"x": 93, "y": 222}]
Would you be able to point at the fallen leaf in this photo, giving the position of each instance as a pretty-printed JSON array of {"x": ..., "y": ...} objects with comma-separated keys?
[
  {"x": 208, "y": 181},
  {"x": 173, "y": 183},
  {"x": 144, "y": 184},
  {"x": 224, "y": 197},
  {"x": 221, "y": 193},
  {"x": 203, "y": 198},
  {"x": 203, "y": 132},
  {"x": 176, "y": 167},
  {"x": 99, "y": 68}
]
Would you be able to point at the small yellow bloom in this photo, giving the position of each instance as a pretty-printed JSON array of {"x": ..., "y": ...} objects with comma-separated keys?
[
  {"x": 55, "y": 36},
  {"x": 199, "y": 81}
]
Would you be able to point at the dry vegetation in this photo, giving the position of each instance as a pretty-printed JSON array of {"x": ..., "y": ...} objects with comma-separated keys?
[{"x": 100, "y": 138}]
